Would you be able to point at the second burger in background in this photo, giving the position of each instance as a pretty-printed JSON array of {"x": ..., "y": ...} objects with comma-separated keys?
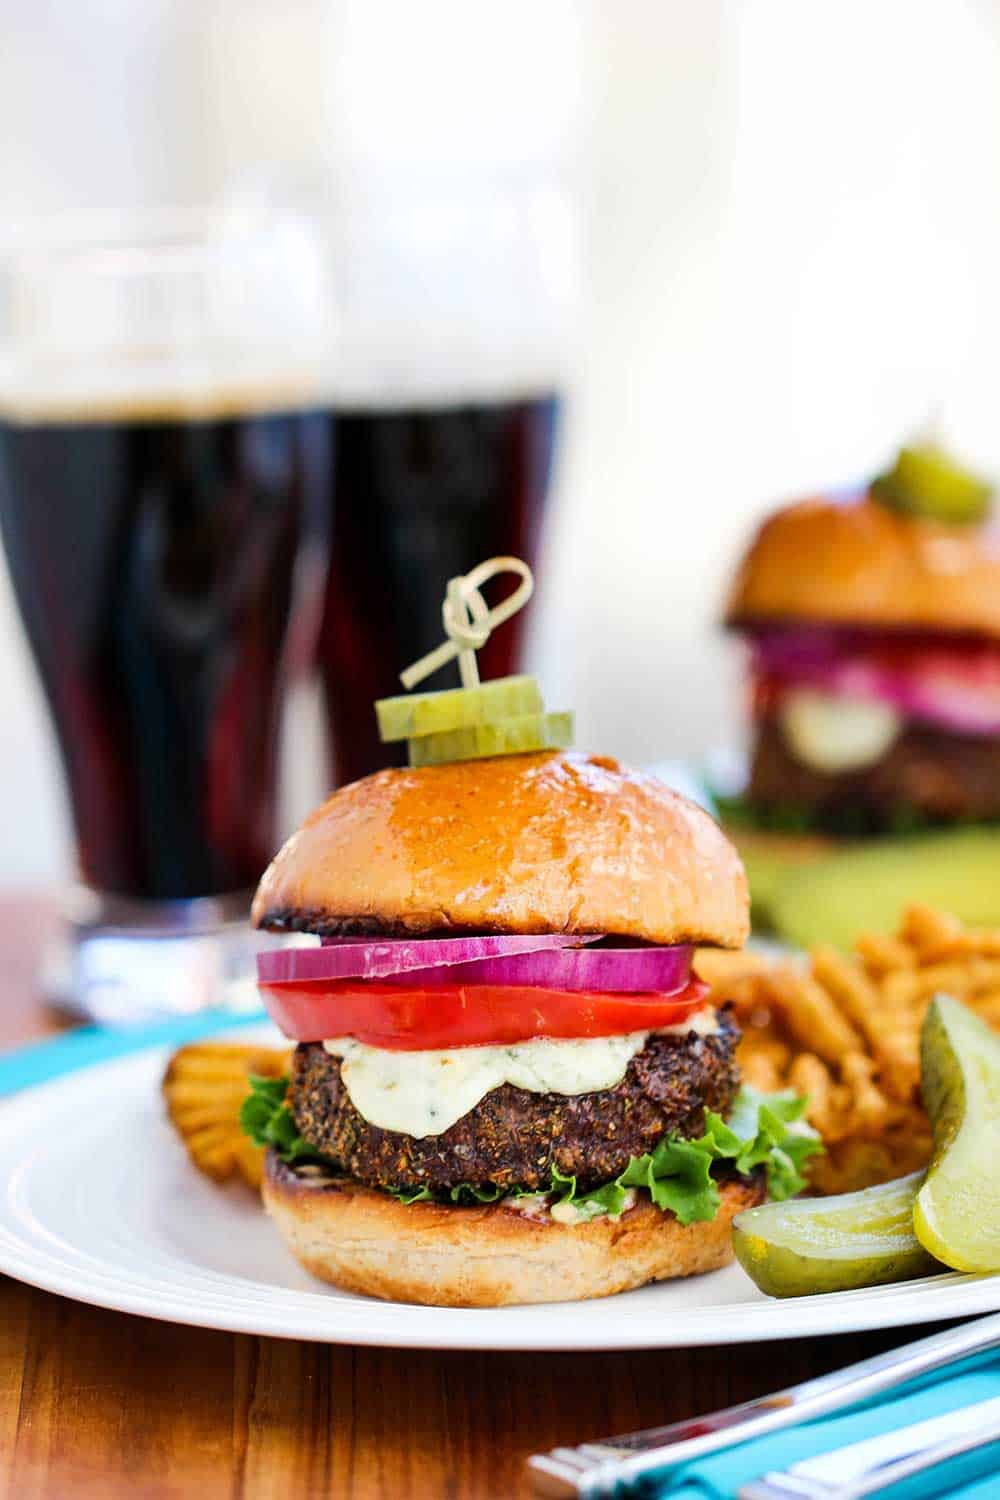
[{"x": 873, "y": 627}]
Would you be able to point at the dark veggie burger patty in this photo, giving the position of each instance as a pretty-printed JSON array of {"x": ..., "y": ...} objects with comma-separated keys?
[{"x": 513, "y": 1138}]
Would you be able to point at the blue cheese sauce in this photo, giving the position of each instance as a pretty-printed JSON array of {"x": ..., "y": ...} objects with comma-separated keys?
[{"x": 425, "y": 1093}]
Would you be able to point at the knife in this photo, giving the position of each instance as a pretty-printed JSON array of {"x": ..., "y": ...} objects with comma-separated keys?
[{"x": 878, "y": 1463}]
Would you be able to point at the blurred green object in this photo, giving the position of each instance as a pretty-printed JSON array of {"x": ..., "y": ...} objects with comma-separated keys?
[
  {"x": 808, "y": 887},
  {"x": 770, "y": 858},
  {"x": 925, "y": 481},
  {"x": 865, "y": 888}
]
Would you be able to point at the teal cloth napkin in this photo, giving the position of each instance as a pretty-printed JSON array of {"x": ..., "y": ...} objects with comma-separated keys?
[
  {"x": 39, "y": 1061},
  {"x": 973, "y": 1476}
]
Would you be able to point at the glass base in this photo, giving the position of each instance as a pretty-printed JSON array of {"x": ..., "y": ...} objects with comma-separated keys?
[{"x": 119, "y": 962}]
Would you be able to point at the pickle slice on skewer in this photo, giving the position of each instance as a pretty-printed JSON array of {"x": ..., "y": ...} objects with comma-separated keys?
[
  {"x": 957, "y": 1212},
  {"x": 812, "y": 1245},
  {"x": 413, "y": 715},
  {"x": 924, "y": 481},
  {"x": 512, "y": 736}
]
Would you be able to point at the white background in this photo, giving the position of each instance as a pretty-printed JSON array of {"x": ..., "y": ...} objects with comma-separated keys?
[{"x": 790, "y": 234}]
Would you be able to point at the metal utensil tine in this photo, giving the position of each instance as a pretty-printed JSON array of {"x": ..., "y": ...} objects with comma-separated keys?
[
  {"x": 574, "y": 1458},
  {"x": 551, "y": 1476}
]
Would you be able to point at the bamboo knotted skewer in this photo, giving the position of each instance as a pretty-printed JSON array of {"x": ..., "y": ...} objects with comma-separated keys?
[{"x": 469, "y": 622}]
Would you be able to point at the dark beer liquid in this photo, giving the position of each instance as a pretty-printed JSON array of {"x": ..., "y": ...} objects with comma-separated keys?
[
  {"x": 154, "y": 562},
  {"x": 420, "y": 496}
]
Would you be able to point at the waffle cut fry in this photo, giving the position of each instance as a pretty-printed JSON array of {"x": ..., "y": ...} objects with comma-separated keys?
[
  {"x": 204, "y": 1087},
  {"x": 845, "y": 1030}
]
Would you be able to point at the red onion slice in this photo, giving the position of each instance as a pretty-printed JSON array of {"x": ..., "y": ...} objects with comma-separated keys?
[
  {"x": 551, "y": 962},
  {"x": 660, "y": 971},
  {"x": 384, "y": 957},
  {"x": 956, "y": 686}
]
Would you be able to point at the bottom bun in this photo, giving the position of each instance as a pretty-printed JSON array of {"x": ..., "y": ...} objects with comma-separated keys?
[{"x": 367, "y": 1241}]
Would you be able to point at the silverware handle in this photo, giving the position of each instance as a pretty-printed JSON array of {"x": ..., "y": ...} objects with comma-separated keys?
[
  {"x": 795, "y": 1486},
  {"x": 598, "y": 1468}
]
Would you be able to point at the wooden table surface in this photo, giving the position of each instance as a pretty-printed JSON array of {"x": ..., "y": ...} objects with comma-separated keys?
[{"x": 96, "y": 1403}]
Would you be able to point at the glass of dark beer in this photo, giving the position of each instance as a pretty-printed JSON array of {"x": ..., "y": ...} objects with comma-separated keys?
[
  {"x": 455, "y": 301},
  {"x": 164, "y": 502}
]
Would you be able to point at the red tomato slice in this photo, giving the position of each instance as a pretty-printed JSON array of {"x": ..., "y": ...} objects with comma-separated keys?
[{"x": 465, "y": 1015}]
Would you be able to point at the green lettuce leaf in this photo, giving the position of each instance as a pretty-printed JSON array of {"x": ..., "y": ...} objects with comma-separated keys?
[
  {"x": 411, "y": 1195},
  {"x": 763, "y": 1130},
  {"x": 678, "y": 1177},
  {"x": 609, "y": 1199},
  {"x": 267, "y": 1120},
  {"x": 742, "y": 812},
  {"x": 467, "y": 1192}
]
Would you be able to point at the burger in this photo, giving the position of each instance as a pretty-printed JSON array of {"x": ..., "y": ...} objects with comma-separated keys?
[
  {"x": 508, "y": 1085},
  {"x": 873, "y": 627}
]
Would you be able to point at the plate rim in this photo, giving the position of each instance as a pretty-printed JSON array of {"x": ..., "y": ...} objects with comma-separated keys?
[{"x": 407, "y": 1325}]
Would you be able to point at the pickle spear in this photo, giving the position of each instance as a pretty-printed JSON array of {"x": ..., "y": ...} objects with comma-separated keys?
[
  {"x": 957, "y": 1212},
  {"x": 925, "y": 481},
  {"x": 513, "y": 736},
  {"x": 413, "y": 715},
  {"x": 812, "y": 1245}
]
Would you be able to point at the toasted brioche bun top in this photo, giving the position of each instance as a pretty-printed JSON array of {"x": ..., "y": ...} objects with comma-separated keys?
[
  {"x": 856, "y": 562},
  {"x": 521, "y": 843}
]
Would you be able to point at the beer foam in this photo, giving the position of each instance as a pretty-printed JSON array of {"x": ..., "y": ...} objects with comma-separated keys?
[
  {"x": 185, "y": 325},
  {"x": 449, "y": 290},
  {"x": 71, "y": 405}
]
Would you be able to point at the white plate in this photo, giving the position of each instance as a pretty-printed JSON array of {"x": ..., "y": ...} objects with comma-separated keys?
[{"x": 100, "y": 1203}]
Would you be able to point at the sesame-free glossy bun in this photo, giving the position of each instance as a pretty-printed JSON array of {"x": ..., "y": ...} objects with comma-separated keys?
[
  {"x": 517, "y": 844},
  {"x": 855, "y": 562},
  {"x": 492, "y": 1256}
]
